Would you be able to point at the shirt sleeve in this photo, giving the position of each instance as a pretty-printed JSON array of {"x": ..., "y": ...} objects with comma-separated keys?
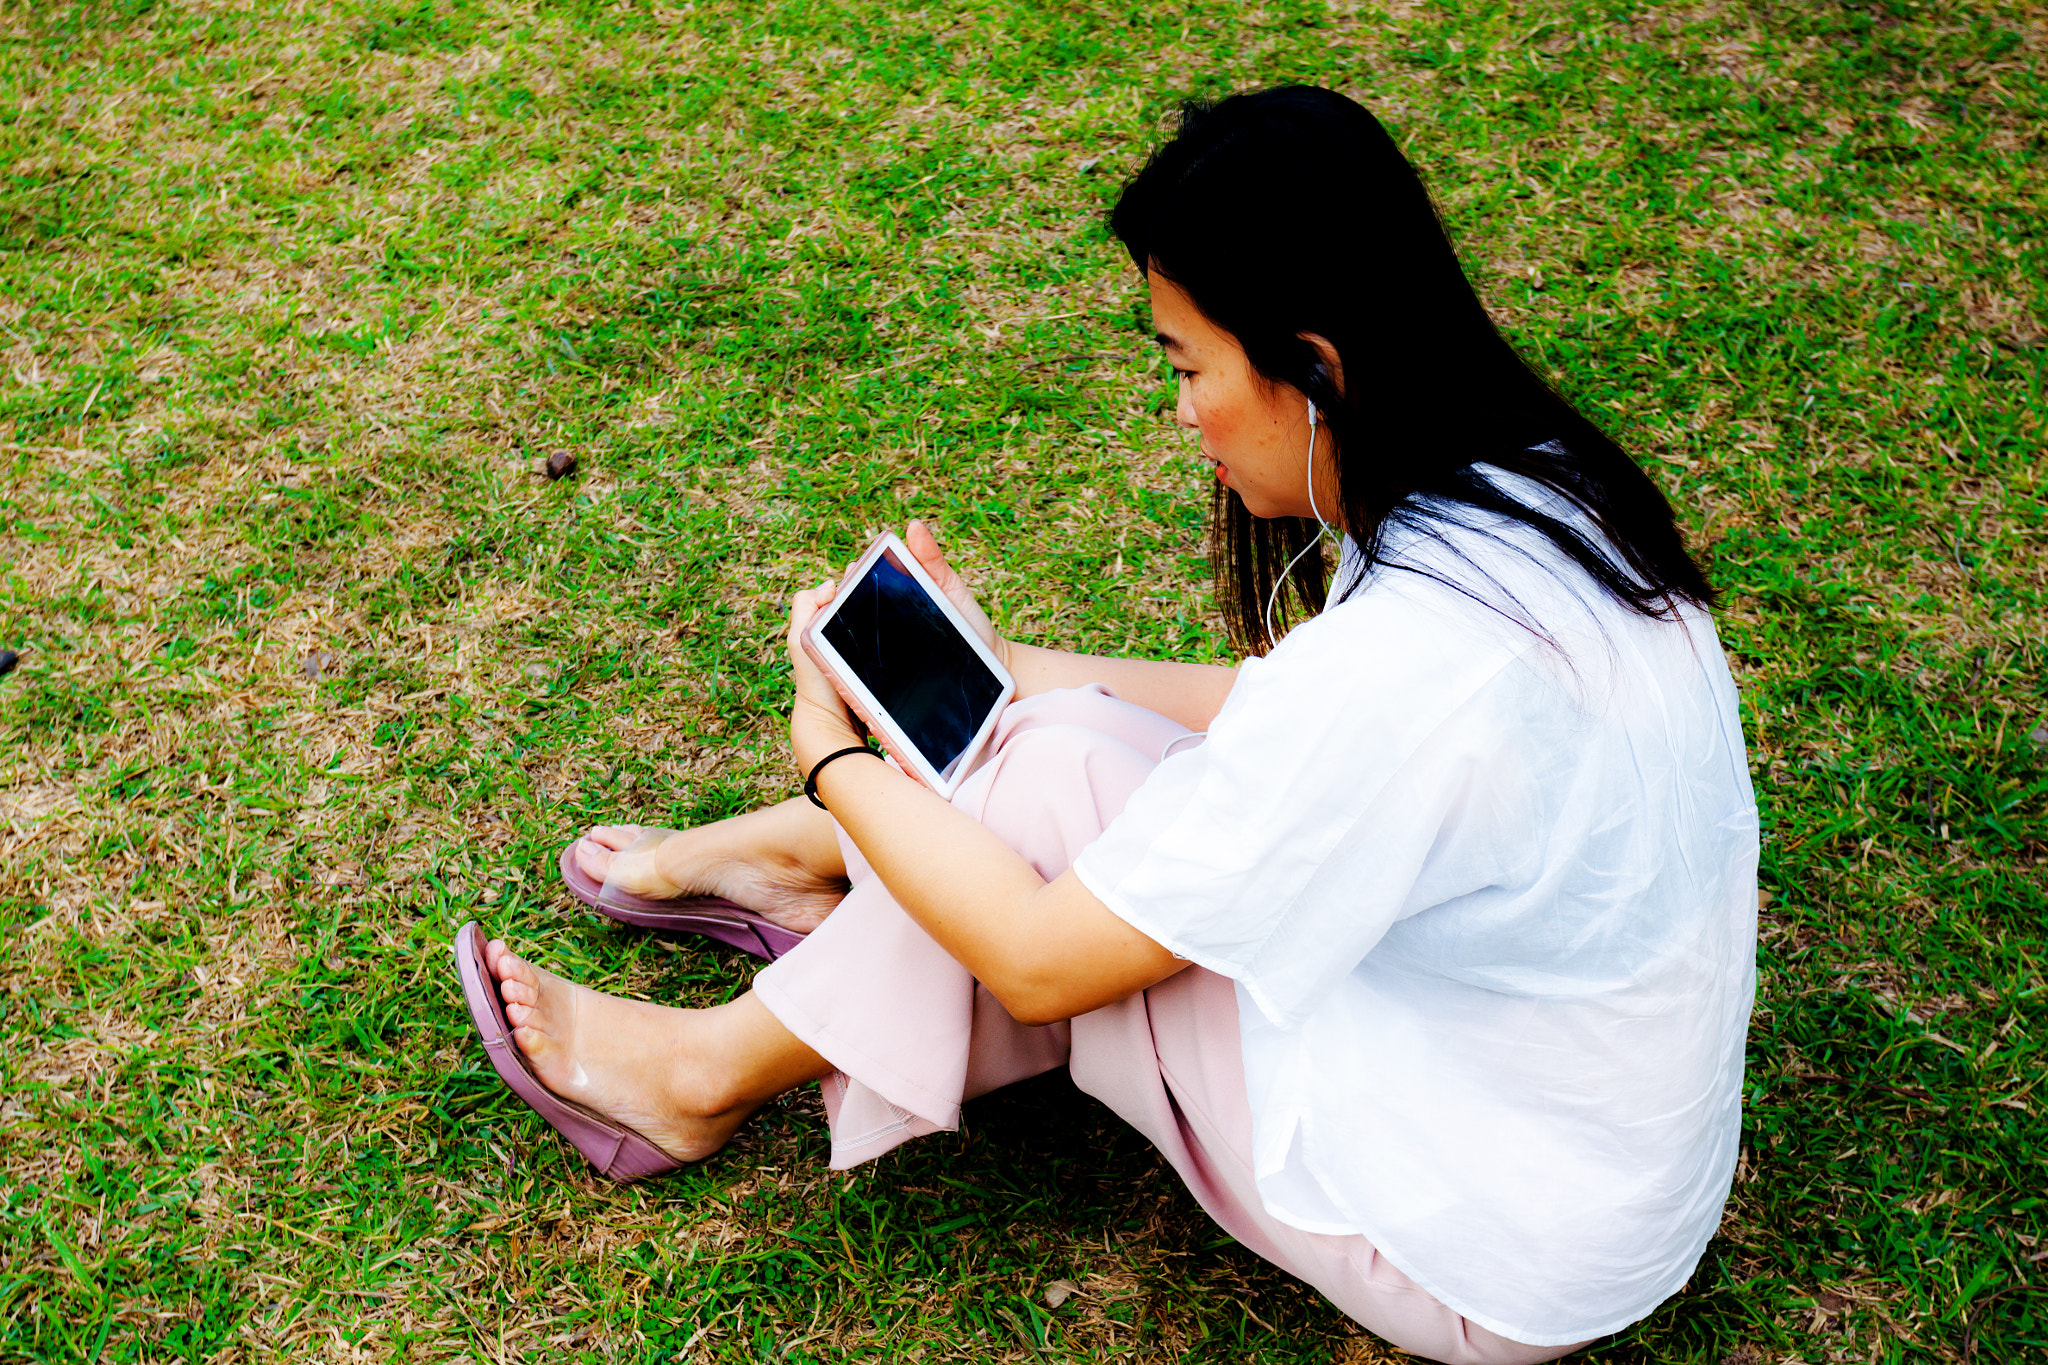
[{"x": 1281, "y": 849}]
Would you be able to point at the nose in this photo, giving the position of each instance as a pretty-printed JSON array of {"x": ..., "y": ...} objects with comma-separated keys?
[{"x": 1184, "y": 407}]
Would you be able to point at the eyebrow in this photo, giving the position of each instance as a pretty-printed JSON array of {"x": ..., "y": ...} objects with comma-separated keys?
[{"x": 1172, "y": 343}]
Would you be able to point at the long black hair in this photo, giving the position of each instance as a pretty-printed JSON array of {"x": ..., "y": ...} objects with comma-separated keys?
[{"x": 1290, "y": 213}]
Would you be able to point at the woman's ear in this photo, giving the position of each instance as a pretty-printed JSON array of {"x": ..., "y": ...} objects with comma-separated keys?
[{"x": 1327, "y": 359}]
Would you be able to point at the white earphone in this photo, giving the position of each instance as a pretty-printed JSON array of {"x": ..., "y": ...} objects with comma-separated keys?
[{"x": 1281, "y": 582}]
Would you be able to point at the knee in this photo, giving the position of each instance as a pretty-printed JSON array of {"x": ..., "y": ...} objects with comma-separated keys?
[
  {"x": 1056, "y": 787},
  {"x": 1093, "y": 707},
  {"x": 1048, "y": 755}
]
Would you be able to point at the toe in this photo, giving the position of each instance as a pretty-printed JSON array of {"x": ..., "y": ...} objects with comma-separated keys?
[
  {"x": 594, "y": 858},
  {"x": 531, "y": 1041},
  {"x": 512, "y": 971},
  {"x": 613, "y": 837}
]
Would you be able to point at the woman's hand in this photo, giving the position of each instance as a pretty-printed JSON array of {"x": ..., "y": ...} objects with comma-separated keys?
[
  {"x": 820, "y": 721},
  {"x": 925, "y": 546}
]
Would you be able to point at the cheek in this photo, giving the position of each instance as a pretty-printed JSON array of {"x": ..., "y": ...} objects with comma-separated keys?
[{"x": 1218, "y": 420}]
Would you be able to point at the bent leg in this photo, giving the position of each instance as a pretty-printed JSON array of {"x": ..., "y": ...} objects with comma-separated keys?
[
  {"x": 1170, "y": 1063},
  {"x": 909, "y": 1031},
  {"x": 911, "y": 1034}
]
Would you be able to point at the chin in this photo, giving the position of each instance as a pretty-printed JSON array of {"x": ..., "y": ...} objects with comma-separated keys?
[{"x": 1262, "y": 509}]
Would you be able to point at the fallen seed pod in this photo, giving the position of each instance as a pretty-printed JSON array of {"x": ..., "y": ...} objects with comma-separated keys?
[{"x": 561, "y": 464}]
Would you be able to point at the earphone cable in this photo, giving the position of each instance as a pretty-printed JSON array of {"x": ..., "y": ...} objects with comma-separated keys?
[{"x": 1273, "y": 597}]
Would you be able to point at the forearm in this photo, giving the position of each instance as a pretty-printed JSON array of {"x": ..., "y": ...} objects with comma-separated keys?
[
  {"x": 1189, "y": 693},
  {"x": 1046, "y": 951}
]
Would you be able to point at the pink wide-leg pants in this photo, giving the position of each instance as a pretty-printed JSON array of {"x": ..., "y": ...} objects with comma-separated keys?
[{"x": 912, "y": 1035}]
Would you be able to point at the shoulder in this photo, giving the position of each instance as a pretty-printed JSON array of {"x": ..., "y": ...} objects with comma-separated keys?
[
  {"x": 1482, "y": 566},
  {"x": 1398, "y": 623},
  {"x": 1378, "y": 675}
]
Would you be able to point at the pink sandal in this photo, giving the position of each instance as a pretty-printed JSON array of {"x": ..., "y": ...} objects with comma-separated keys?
[
  {"x": 616, "y": 1150},
  {"x": 712, "y": 916}
]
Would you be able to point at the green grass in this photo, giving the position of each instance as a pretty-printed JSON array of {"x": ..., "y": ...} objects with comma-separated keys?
[{"x": 293, "y": 299}]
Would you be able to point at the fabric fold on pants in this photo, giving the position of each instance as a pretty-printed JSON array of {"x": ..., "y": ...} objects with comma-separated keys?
[{"x": 913, "y": 1035}]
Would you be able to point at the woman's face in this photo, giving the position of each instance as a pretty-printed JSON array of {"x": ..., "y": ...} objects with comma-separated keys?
[{"x": 1255, "y": 434}]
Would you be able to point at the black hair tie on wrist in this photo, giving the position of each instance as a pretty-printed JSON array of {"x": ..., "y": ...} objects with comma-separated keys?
[{"x": 811, "y": 782}]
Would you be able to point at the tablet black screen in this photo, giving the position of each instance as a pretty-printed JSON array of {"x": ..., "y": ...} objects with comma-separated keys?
[{"x": 905, "y": 652}]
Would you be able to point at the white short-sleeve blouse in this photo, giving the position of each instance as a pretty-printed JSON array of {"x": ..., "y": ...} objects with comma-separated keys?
[{"x": 1489, "y": 900}]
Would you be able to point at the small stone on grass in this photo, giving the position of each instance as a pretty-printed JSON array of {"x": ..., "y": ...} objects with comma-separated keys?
[{"x": 561, "y": 464}]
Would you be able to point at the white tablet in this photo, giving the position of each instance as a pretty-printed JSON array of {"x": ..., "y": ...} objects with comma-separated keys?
[{"x": 910, "y": 666}]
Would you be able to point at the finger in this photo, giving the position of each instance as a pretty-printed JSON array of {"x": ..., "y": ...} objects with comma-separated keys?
[
  {"x": 810, "y": 680},
  {"x": 925, "y": 546},
  {"x": 816, "y": 691},
  {"x": 806, "y": 605}
]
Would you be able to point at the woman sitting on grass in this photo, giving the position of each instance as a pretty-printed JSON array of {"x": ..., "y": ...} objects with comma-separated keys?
[{"x": 1420, "y": 943}]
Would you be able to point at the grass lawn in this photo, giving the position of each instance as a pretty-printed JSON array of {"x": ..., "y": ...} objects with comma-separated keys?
[{"x": 294, "y": 299}]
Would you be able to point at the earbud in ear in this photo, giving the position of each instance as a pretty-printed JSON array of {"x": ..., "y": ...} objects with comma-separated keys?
[{"x": 1278, "y": 583}]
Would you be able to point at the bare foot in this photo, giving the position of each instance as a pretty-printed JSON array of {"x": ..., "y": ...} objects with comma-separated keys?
[
  {"x": 651, "y": 1067},
  {"x": 781, "y": 861}
]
